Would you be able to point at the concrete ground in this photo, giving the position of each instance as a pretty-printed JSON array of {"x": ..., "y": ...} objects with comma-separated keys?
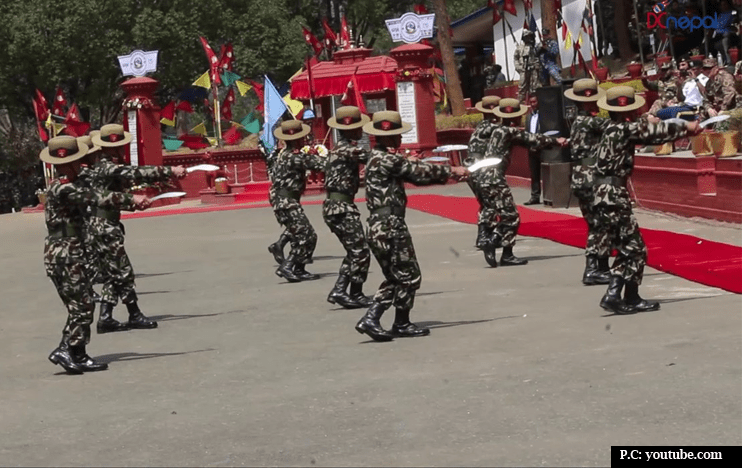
[{"x": 522, "y": 366}]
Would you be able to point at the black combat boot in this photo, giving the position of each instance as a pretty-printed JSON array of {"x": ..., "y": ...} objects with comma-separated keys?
[
  {"x": 508, "y": 259},
  {"x": 612, "y": 301},
  {"x": 604, "y": 267},
  {"x": 286, "y": 270},
  {"x": 106, "y": 322},
  {"x": 64, "y": 357},
  {"x": 495, "y": 240},
  {"x": 302, "y": 273},
  {"x": 137, "y": 319},
  {"x": 85, "y": 362},
  {"x": 403, "y": 328},
  {"x": 634, "y": 302},
  {"x": 592, "y": 274},
  {"x": 276, "y": 248},
  {"x": 339, "y": 291},
  {"x": 356, "y": 293},
  {"x": 370, "y": 325},
  {"x": 484, "y": 237},
  {"x": 490, "y": 256}
]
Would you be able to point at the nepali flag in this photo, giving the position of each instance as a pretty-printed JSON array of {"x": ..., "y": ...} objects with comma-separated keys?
[
  {"x": 660, "y": 7},
  {"x": 331, "y": 39},
  {"x": 509, "y": 6},
  {"x": 213, "y": 61},
  {"x": 226, "y": 57},
  {"x": 60, "y": 102},
  {"x": 227, "y": 105},
  {"x": 312, "y": 41},
  {"x": 344, "y": 34},
  {"x": 495, "y": 12}
]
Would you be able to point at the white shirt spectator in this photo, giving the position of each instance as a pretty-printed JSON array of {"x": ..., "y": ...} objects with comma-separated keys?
[{"x": 693, "y": 96}]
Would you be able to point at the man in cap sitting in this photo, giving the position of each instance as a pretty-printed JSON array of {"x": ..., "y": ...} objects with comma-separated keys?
[
  {"x": 583, "y": 139},
  {"x": 612, "y": 203},
  {"x": 67, "y": 200},
  {"x": 104, "y": 231},
  {"x": 390, "y": 241},
  {"x": 719, "y": 92},
  {"x": 341, "y": 215},
  {"x": 290, "y": 180}
]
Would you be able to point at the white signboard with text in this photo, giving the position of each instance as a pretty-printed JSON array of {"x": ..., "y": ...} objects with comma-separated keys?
[
  {"x": 138, "y": 63},
  {"x": 410, "y": 27},
  {"x": 407, "y": 110},
  {"x": 133, "y": 146}
]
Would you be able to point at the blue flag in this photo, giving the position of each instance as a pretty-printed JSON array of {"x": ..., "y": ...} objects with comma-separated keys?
[
  {"x": 274, "y": 109},
  {"x": 532, "y": 23}
]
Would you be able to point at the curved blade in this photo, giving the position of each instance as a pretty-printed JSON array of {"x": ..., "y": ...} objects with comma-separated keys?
[
  {"x": 168, "y": 195},
  {"x": 444, "y": 148},
  {"x": 484, "y": 163},
  {"x": 713, "y": 120},
  {"x": 552, "y": 133},
  {"x": 676, "y": 120},
  {"x": 436, "y": 159},
  {"x": 202, "y": 167}
]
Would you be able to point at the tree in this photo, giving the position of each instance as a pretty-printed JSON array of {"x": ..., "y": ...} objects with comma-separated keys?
[{"x": 453, "y": 85}]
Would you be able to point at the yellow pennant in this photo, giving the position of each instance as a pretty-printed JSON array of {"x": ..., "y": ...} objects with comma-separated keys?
[
  {"x": 579, "y": 38},
  {"x": 242, "y": 87},
  {"x": 58, "y": 128},
  {"x": 212, "y": 141},
  {"x": 294, "y": 106},
  {"x": 568, "y": 41},
  {"x": 203, "y": 81},
  {"x": 199, "y": 129},
  {"x": 169, "y": 123}
]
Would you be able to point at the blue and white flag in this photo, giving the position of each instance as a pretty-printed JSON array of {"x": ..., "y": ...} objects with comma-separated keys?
[{"x": 274, "y": 109}]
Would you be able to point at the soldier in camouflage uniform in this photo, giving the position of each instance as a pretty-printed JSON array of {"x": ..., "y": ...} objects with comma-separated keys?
[
  {"x": 498, "y": 217},
  {"x": 720, "y": 93},
  {"x": 64, "y": 249},
  {"x": 289, "y": 181},
  {"x": 105, "y": 233},
  {"x": 666, "y": 87},
  {"x": 547, "y": 55},
  {"x": 276, "y": 248},
  {"x": 615, "y": 162},
  {"x": 527, "y": 65},
  {"x": 340, "y": 213},
  {"x": 584, "y": 137},
  {"x": 388, "y": 236}
]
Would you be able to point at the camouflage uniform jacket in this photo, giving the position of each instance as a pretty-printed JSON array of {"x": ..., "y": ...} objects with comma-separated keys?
[
  {"x": 616, "y": 152},
  {"x": 270, "y": 159},
  {"x": 342, "y": 175},
  {"x": 478, "y": 141},
  {"x": 106, "y": 175},
  {"x": 720, "y": 92},
  {"x": 64, "y": 210},
  {"x": 386, "y": 173},
  {"x": 583, "y": 139},
  {"x": 290, "y": 171},
  {"x": 526, "y": 59}
]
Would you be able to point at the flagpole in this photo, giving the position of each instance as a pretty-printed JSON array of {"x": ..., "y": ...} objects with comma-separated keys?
[
  {"x": 602, "y": 29},
  {"x": 217, "y": 117},
  {"x": 505, "y": 45},
  {"x": 639, "y": 34},
  {"x": 311, "y": 85}
]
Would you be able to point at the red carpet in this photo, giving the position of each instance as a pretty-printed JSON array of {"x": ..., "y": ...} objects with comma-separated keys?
[{"x": 700, "y": 260}]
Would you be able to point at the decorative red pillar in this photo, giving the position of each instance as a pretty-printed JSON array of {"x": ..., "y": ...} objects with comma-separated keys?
[
  {"x": 415, "y": 99},
  {"x": 142, "y": 120}
]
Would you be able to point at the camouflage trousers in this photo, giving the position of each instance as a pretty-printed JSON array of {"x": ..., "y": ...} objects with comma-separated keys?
[
  {"x": 527, "y": 84},
  {"x": 106, "y": 240},
  {"x": 550, "y": 69},
  {"x": 616, "y": 221},
  {"x": 497, "y": 207},
  {"x": 391, "y": 243},
  {"x": 291, "y": 216},
  {"x": 598, "y": 243},
  {"x": 348, "y": 228},
  {"x": 75, "y": 290},
  {"x": 272, "y": 201}
]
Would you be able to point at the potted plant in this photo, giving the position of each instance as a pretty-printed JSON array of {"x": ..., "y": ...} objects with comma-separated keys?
[
  {"x": 601, "y": 71},
  {"x": 696, "y": 55},
  {"x": 725, "y": 141},
  {"x": 634, "y": 69}
]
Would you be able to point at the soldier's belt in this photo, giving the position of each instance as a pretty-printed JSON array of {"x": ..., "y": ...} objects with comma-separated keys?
[
  {"x": 611, "y": 180},
  {"x": 67, "y": 230},
  {"x": 288, "y": 194},
  {"x": 339, "y": 197},
  {"x": 110, "y": 215},
  {"x": 389, "y": 211}
]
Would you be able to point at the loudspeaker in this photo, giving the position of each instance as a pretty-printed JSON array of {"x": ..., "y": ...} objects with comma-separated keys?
[{"x": 551, "y": 117}]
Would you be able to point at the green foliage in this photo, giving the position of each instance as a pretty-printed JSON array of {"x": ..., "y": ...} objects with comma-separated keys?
[{"x": 443, "y": 122}]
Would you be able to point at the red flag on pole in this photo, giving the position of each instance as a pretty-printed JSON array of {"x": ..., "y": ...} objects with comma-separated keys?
[
  {"x": 76, "y": 129},
  {"x": 312, "y": 41},
  {"x": 227, "y": 105},
  {"x": 420, "y": 8},
  {"x": 184, "y": 106},
  {"x": 352, "y": 96},
  {"x": 509, "y": 6},
  {"x": 43, "y": 107},
  {"x": 495, "y": 12},
  {"x": 232, "y": 136},
  {"x": 331, "y": 39},
  {"x": 213, "y": 61},
  {"x": 41, "y": 114},
  {"x": 73, "y": 115},
  {"x": 59, "y": 102},
  {"x": 226, "y": 57},
  {"x": 258, "y": 88},
  {"x": 344, "y": 34}
]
